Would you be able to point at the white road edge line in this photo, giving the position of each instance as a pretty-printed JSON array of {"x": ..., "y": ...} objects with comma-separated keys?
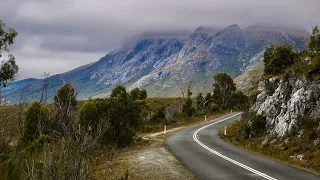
[{"x": 223, "y": 156}]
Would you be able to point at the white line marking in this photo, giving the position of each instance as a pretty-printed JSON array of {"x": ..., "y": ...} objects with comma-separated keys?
[{"x": 225, "y": 157}]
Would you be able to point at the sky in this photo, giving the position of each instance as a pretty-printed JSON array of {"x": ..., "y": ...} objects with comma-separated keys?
[{"x": 56, "y": 36}]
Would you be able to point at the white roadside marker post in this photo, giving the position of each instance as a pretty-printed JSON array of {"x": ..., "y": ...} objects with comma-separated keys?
[
  {"x": 231, "y": 110},
  {"x": 205, "y": 118},
  {"x": 225, "y": 130},
  {"x": 165, "y": 129}
]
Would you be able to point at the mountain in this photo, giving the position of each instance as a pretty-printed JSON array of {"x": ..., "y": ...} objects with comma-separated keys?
[
  {"x": 247, "y": 80},
  {"x": 162, "y": 64}
]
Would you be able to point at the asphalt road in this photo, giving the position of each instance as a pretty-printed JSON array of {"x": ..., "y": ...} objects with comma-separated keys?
[{"x": 200, "y": 149}]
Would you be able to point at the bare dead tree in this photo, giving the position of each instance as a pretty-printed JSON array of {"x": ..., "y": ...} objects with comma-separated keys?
[
  {"x": 64, "y": 110},
  {"x": 68, "y": 158}
]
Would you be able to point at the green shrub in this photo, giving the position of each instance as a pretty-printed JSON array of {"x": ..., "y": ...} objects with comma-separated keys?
[
  {"x": 159, "y": 116},
  {"x": 314, "y": 43},
  {"x": 258, "y": 125},
  {"x": 89, "y": 115},
  {"x": 136, "y": 93},
  {"x": 66, "y": 96},
  {"x": 277, "y": 59},
  {"x": 10, "y": 170},
  {"x": 187, "y": 108},
  {"x": 238, "y": 101},
  {"x": 5, "y": 149},
  {"x": 35, "y": 121},
  {"x": 146, "y": 129},
  {"x": 271, "y": 86}
]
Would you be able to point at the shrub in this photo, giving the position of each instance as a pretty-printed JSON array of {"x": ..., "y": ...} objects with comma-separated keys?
[
  {"x": 271, "y": 86},
  {"x": 136, "y": 93},
  {"x": 159, "y": 116},
  {"x": 5, "y": 149},
  {"x": 66, "y": 96},
  {"x": 187, "y": 108},
  {"x": 314, "y": 43},
  {"x": 35, "y": 121},
  {"x": 258, "y": 125},
  {"x": 89, "y": 115},
  {"x": 277, "y": 59},
  {"x": 238, "y": 101}
]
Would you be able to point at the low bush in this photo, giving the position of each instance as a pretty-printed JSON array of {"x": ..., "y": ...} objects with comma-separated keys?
[
  {"x": 258, "y": 125},
  {"x": 159, "y": 116},
  {"x": 36, "y": 121}
]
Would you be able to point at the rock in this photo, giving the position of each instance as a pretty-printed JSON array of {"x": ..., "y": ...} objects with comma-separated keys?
[
  {"x": 274, "y": 79},
  {"x": 300, "y": 133},
  {"x": 273, "y": 141},
  {"x": 265, "y": 141},
  {"x": 291, "y": 100},
  {"x": 298, "y": 157},
  {"x": 261, "y": 86}
]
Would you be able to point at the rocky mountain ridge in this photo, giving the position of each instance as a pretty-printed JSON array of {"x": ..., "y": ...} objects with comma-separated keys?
[{"x": 162, "y": 64}]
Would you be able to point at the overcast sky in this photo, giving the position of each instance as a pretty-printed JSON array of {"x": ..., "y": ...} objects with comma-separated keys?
[{"x": 58, "y": 35}]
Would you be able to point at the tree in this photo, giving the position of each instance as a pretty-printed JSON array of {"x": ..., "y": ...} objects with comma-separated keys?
[
  {"x": 223, "y": 89},
  {"x": 200, "y": 102},
  {"x": 124, "y": 116},
  {"x": 8, "y": 68},
  {"x": 89, "y": 115},
  {"x": 277, "y": 59},
  {"x": 187, "y": 108},
  {"x": 208, "y": 101},
  {"x": 143, "y": 94},
  {"x": 119, "y": 92},
  {"x": 314, "y": 43},
  {"x": 136, "y": 93},
  {"x": 124, "y": 119},
  {"x": 238, "y": 101},
  {"x": 159, "y": 116}
]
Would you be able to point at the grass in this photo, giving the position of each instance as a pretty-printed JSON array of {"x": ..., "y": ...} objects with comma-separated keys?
[{"x": 278, "y": 149}]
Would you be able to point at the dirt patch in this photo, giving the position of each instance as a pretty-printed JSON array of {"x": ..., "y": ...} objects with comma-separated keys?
[
  {"x": 156, "y": 163},
  {"x": 146, "y": 160}
]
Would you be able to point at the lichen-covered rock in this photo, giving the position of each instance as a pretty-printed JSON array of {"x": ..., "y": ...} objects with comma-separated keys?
[{"x": 292, "y": 98}]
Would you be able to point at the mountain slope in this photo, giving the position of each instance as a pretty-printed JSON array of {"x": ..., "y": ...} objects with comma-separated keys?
[{"x": 163, "y": 64}]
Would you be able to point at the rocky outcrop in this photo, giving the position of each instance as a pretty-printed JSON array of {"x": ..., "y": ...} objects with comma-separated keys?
[{"x": 290, "y": 100}]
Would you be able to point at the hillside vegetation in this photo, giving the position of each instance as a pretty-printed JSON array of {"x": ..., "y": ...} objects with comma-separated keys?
[{"x": 283, "y": 120}]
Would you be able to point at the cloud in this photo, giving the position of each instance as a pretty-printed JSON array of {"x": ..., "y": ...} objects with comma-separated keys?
[{"x": 58, "y": 35}]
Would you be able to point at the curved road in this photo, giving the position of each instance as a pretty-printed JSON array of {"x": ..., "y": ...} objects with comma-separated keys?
[{"x": 201, "y": 150}]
